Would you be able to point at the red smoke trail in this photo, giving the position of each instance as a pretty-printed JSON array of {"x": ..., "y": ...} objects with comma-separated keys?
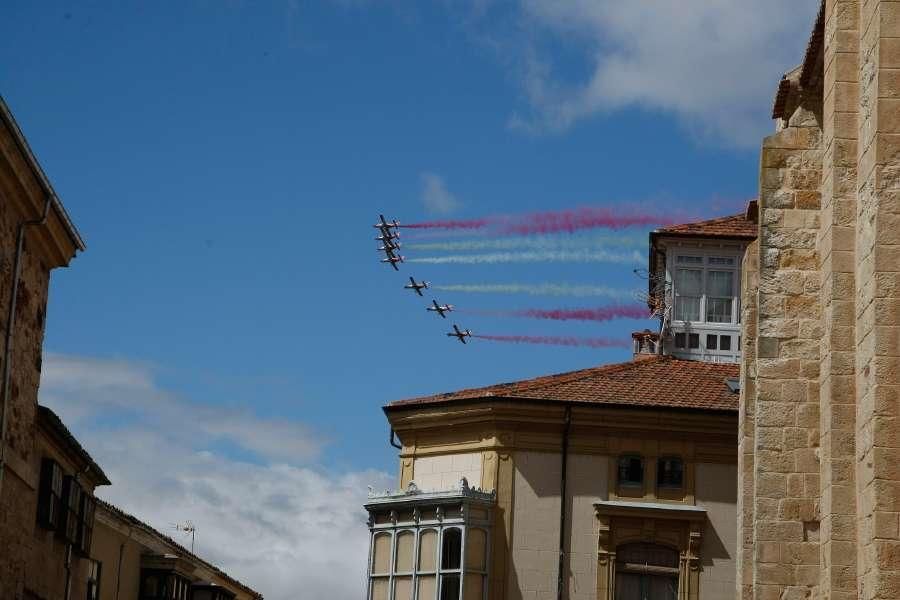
[
  {"x": 453, "y": 224},
  {"x": 603, "y": 313},
  {"x": 562, "y": 221},
  {"x": 553, "y": 340},
  {"x": 570, "y": 221}
]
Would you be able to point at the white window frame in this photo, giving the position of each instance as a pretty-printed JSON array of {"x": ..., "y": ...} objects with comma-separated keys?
[{"x": 705, "y": 267}]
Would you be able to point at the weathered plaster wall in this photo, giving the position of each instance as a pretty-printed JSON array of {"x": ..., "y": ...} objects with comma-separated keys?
[{"x": 717, "y": 492}]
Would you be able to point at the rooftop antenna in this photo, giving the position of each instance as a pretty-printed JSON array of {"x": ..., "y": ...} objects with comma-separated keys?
[
  {"x": 658, "y": 298},
  {"x": 187, "y": 527}
]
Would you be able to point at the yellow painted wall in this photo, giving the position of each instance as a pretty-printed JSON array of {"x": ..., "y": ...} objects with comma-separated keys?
[
  {"x": 105, "y": 548},
  {"x": 535, "y": 540},
  {"x": 587, "y": 483},
  {"x": 444, "y": 472},
  {"x": 717, "y": 493}
]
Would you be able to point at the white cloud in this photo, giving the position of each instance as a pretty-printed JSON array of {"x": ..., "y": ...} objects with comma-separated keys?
[
  {"x": 281, "y": 525},
  {"x": 438, "y": 200},
  {"x": 714, "y": 64}
]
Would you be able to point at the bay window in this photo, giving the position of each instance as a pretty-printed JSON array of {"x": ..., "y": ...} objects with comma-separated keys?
[{"x": 429, "y": 546}]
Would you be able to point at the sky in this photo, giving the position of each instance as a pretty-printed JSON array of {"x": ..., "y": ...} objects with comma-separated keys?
[{"x": 225, "y": 345}]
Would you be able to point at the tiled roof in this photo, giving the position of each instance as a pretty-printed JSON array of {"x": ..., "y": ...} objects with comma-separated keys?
[
  {"x": 135, "y": 522},
  {"x": 654, "y": 382},
  {"x": 735, "y": 226},
  {"x": 52, "y": 420}
]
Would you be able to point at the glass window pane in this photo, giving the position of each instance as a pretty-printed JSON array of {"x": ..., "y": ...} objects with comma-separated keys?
[
  {"x": 631, "y": 470},
  {"x": 687, "y": 308},
  {"x": 451, "y": 549},
  {"x": 474, "y": 587},
  {"x": 680, "y": 340},
  {"x": 403, "y": 588},
  {"x": 719, "y": 283},
  {"x": 449, "y": 587},
  {"x": 476, "y": 544},
  {"x": 669, "y": 472},
  {"x": 693, "y": 341},
  {"x": 724, "y": 342},
  {"x": 712, "y": 342},
  {"x": 427, "y": 550},
  {"x": 721, "y": 260},
  {"x": 405, "y": 543},
  {"x": 381, "y": 561},
  {"x": 718, "y": 310},
  {"x": 427, "y": 587},
  {"x": 380, "y": 588},
  {"x": 689, "y": 260},
  {"x": 688, "y": 282}
]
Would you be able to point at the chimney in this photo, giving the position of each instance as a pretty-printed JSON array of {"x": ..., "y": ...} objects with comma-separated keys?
[{"x": 644, "y": 344}]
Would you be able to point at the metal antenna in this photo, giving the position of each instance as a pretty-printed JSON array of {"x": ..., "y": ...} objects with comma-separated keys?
[{"x": 187, "y": 527}]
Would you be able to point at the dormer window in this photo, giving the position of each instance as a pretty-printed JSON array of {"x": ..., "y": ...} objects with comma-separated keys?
[{"x": 705, "y": 288}]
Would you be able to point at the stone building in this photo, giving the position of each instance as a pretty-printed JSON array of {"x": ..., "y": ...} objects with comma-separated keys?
[
  {"x": 140, "y": 563},
  {"x": 43, "y": 539},
  {"x": 819, "y": 436},
  {"x": 616, "y": 482},
  {"x": 57, "y": 541}
]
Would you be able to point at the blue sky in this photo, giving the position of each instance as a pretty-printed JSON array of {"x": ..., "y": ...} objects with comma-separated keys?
[{"x": 225, "y": 160}]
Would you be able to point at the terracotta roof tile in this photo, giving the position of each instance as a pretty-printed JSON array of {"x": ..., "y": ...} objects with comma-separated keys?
[
  {"x": 655, "y": 382},
  {"x": 734, "y": 226}
]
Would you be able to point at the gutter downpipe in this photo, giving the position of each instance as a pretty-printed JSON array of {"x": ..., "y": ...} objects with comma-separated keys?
[
  {"x": 10, "y": 327},
  {"x": 392, "y": 442},
  {"x": 561, "y": 577}
]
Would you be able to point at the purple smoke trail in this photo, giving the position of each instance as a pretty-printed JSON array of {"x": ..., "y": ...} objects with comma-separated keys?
[
  {"x": 570, "y": 221},
  {"x": 603, "y": 313},
  {"x": 562, "y": 221},
  {"x": 553, "y": 340}
]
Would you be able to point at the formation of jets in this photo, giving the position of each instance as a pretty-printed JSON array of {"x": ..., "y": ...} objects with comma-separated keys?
[{"x": 389, "y": 236}]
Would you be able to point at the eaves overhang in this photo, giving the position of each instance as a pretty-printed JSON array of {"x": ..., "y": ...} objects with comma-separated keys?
[{"x": 59, "y": 211}]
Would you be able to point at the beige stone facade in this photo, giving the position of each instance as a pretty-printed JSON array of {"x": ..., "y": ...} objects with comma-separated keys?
[{"x": 819, "y": 449}]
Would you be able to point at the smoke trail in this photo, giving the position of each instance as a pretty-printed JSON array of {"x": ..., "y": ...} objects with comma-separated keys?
[
  {"x": 454, "y": 223},
  {"x": 529, "y": 257},
  {"x": 569, "y": 220},
  {"x": 538, "y": 289},
  {"x": 578, "y": 219},
  {"x": 545, "y": 243},
  {"x": 557, "y": 340},
  {"x": 604, "y": 313}
]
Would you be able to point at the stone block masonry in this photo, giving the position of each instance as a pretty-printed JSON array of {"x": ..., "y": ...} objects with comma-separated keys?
[{"x": 820, "y": 429}]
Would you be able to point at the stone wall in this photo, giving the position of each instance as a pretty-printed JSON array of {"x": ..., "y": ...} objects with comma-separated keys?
[
  {"x": 18, "y": 496},
  {"x": 821, "y": 391}
]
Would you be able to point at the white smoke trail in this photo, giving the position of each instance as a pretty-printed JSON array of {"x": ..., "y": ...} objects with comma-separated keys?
[
  {"x": 529, "y": 257},
  {"x": 538, "y": 289},
  {"x": 545, "y": 243}
]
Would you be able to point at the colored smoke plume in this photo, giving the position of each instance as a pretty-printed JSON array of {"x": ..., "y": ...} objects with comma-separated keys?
[
  {"x": 538, "y": 289},
  {"x": 545, "y": 243},
  {"x": 553, "y": 340},
  {"x": 532, "y": 257},
  {"x": 604, "y": 313},
  {"x": 561, "y": 221}
]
